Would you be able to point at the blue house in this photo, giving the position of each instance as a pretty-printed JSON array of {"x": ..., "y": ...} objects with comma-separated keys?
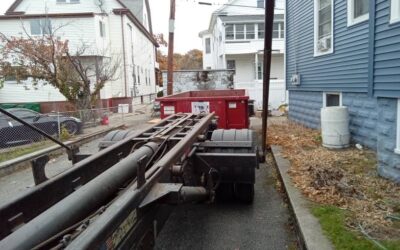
[{"x": 347, "y": 52}]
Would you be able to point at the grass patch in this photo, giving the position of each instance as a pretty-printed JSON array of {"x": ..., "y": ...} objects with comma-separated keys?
[
  {"x": 332, "y": 220},
  {"x": 23, "y": 150}
]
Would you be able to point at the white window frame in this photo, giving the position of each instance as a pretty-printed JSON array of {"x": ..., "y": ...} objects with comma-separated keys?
[
  {"x": 44, "y": 25},
  {"x": 332, "y": 93},
  {"x": 397, "y": 149},
  {"x": 394, "y": 11},
  {"x": 102, "y": 29},
  {"x": 316, "y": 29},
  {"x": 350, "y": 15},
  {"x": 207, "y": 41}
]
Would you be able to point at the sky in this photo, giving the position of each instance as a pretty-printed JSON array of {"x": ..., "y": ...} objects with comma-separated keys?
[{"x": 191, "y": 18}]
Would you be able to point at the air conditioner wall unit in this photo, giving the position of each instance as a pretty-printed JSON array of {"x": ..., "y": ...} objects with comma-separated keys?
[{"x": 324, "y": 44}]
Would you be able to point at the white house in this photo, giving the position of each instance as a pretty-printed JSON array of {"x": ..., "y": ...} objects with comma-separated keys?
[
  {"x": 112, "y": 29},
  {"x": 235, "y": 40}
]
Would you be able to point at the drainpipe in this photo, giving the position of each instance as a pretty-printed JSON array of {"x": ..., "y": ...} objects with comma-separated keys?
[{"x": 123, "y": 52}]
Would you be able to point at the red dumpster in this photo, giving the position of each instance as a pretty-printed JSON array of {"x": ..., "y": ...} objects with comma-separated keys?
[{"x": 231, "y": 106}]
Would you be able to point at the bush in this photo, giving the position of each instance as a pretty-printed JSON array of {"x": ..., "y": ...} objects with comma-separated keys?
[{"x": 64, "y": 134}]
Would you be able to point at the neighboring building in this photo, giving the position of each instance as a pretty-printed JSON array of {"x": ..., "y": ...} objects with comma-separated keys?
[
  {"x": 348, "y": 53},
  {"x": 112, "y": 29},
  {"x": 188, "y": 80},
  {"x": 235, "y": 40}
]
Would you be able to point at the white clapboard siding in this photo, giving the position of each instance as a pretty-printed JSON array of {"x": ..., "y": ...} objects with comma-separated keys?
[
  {"x": 80, "y": 30},
  {"x": 26, "y": 92}
]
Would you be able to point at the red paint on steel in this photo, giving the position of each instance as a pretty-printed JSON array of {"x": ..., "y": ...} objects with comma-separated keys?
[{"x": 230, "y": 106}]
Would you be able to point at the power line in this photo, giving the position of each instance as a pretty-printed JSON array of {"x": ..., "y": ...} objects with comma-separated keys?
[{"x": 224, "y": 4}]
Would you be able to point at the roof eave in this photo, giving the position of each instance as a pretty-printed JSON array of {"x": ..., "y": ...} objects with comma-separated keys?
[{"x": 128, "y": 13}]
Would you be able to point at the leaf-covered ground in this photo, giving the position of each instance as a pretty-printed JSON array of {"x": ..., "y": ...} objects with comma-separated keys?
[{"x": 344, "y": 178}]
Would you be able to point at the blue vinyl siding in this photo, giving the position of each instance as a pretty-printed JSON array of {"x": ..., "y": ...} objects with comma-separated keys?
[
  {"x": 386, "y": 75},
  {"x": 346, "y": 69}
]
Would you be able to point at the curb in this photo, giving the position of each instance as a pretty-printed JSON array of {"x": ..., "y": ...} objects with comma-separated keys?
[
  {"x": 24, "y": 161},
  {"x": 308, "y": 226}
]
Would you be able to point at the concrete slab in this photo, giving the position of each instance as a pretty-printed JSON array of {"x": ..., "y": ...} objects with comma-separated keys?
[{"x": 309, "y": 228}]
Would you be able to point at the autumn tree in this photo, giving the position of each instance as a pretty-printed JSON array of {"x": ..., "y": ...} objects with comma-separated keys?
[
  {"x": 193, "y": 59},
  {"x": 77, "y": 73}
]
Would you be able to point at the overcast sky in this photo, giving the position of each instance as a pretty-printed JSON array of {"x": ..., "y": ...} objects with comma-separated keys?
[{"x": 191, "y": 18}]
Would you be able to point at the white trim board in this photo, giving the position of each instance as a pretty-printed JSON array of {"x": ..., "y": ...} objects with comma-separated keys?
[
  {"x": 397, "y": 149},
  {"x": 394, "y": 6}
]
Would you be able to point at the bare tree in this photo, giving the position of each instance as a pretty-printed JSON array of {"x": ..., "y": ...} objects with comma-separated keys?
[{"x": 78, "y": 74}]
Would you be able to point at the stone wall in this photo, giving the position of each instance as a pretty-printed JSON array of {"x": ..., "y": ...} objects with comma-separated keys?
[
  {"x": 388, "y": 160},
  {"x": 305, "y": 108},
  {"x": 188, "y": 80},
  {"x": 372, "y": 123},
  {"x": 363, "y": 118}
]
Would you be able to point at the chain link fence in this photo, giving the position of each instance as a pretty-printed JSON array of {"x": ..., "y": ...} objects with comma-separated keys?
[{"x": 17, "y": 139}]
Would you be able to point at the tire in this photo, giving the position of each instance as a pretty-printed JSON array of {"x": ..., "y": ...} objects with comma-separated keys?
[
  {"x": 71, "y": 126},
  {"x": 113, "y": 137},
  {"x": 244, "y": 192},
  {"x": 225, "y": 192}
]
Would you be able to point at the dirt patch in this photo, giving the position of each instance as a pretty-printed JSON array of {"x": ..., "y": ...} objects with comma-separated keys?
[{"x": 345, "y": 178}]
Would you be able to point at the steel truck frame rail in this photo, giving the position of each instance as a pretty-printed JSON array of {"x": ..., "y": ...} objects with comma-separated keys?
[{"x": 121, "y": 196}]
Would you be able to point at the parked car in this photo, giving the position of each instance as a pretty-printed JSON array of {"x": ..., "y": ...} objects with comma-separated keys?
[{"x": 14, "y": 133}]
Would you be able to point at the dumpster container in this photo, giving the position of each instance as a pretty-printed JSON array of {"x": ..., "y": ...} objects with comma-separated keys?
[{"x": 231, "y": 106}]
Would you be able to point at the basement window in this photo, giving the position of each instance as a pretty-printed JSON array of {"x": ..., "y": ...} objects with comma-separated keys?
[
  {"x": 357, "y": 11},
  {"x": 332, "y": 99}
]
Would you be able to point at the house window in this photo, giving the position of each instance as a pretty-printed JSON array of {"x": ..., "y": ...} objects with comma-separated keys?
[
  {"x": 230, "y": 64},
  {"x": 323, "y": 27},
  {"x": 208, "y": 45},
  {"x": 229, "y": 33},
  {"x": 40, "y": 27},
  {"x": 260, "y": 31},
  {"x": 102, "y": 27},
  {"x": 260, "y": 3},
  {"x": 250, "y": 31},
  {"x": 138, "y": 75},
  {"x": 279, "y": 26},
  {"x": 397, "y": 149},
  {"x": 239, "y": 31},
  {"x": 332, "y": 99},
  {"x": 395, "y": 11},
  {"x": 242, "y": 31},
  {"x": 357, "y": 11},
  {"x": 279, "y": 30},
  {"x": 260, "y": 71}
]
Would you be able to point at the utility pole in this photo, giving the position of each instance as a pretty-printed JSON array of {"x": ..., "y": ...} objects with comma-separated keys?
[
  {"x": 268, "y": 24},
  {"x": 170, "y": 74}
]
